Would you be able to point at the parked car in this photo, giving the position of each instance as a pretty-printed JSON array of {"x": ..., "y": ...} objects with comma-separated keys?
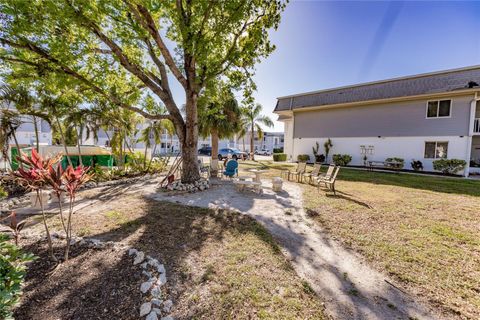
[
  {"x": 205, "y": 151},
  {"x": 263, "y": 152},
  {"x": 235, "y": 153}
]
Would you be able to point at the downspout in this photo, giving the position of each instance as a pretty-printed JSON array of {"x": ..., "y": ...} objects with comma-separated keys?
[{"x": 473, "y": 109}]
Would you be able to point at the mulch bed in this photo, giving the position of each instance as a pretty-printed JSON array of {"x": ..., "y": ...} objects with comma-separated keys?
[{"x": 93, "y": 284}]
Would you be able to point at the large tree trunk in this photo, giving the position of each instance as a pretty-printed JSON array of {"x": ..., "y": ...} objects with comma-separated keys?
[{"x": 189, "y": 139}]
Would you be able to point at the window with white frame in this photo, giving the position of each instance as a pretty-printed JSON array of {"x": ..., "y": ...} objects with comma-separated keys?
[
  {"x": 439, "y": 109},
  {"x": 436, "y": 149}
]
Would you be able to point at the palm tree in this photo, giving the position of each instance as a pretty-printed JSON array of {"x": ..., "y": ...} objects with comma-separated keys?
[
  {"x": 253, "y": 118},
  {"x": 170, "y": 129},
  {"x": 219, "y": 117},
  {"x": 149, "y": 133},
  {"x": 9, "y": 124}
]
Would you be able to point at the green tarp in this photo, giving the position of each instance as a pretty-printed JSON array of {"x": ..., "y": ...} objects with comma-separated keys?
[{"x": 89, "y": 161}]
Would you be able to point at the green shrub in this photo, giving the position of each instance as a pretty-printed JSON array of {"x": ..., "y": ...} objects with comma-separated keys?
[
  {"x": 100, "y": 174},
  {"x": 277, "y": 150},
  {"x": 449, "y": 166},
  {"x": 341, "y": 159},
  {"x": 279, "y": 157},
  {"x": 12, "y": 273},
  {"x": 3, "y": 192},
  {"x": 417, "y": 165},
  {"x": 303, "y": 157},
  {"x": 400, "y": 163}
]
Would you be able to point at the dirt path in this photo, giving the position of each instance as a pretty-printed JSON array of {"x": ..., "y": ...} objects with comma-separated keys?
[{"x": 348, "y": 286}]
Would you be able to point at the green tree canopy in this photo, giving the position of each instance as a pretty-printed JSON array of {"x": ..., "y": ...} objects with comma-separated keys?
[{"x": 117, "y": 49}]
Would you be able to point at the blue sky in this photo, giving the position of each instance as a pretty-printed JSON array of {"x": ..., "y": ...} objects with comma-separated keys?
[{"x": 328, "y": 44}]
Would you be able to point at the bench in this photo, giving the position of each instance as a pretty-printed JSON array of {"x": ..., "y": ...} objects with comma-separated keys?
[
  {"x": 243, "y": 184},
  {"x": 384, "y": 165}
]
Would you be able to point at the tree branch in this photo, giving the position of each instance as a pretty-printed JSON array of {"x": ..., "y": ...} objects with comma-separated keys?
[
  {"x": 110, "y": 96},
  {"x": 161, "y": 67},
  {"x": 149, "y": 24}
]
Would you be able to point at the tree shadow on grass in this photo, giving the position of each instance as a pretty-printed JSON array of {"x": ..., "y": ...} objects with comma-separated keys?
[
  {"x": 345, "y": 196},
  {"x": 104, "y": 284}
]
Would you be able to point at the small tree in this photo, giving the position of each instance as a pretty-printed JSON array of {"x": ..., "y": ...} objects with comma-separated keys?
[
  {"x": 254, "y": 118},
  {"x": 219, "y": 114},
  {"x": 318, "y": 157},
  {"x": 327, "y": 147}
]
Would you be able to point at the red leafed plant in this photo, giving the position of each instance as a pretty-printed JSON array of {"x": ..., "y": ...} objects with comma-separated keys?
[
  {"x": 15, "y": 226},
  {"x": 73, "y": 179},
  {"x": 32, "y": 175},
  {"x": 40, "y": 173}
]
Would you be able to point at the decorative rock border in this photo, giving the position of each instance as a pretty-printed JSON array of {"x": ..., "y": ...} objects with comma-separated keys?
[
  {"x": 154, "y": 306},
  {"x": 155, "y": 272},
  {"x": 200, "y": 185}
]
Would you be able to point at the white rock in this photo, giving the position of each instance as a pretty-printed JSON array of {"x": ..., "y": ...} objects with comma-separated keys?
[
  {"x": 148, "y": 274},
  {"x": 95, "y": 242},
  {"x": 157, "y": 311},
  {"x": 139, "y": 258},
  {"x": 161, "y": 268},
  {"x": 132, "y": 251},
  {"x": 145, "y": 309},
  {"x": 156, "y": 302},
  {"x": 156, "y": 292},
  {"x": 167, "y": 305},
  {"x": 153, "y": 262},
  {"x": 144, "y": 287},
  {"x": 152, "y": 316},
  {"x": 144, "y": 265},
  {"x": 162, "y": 279},
  {"x": 166, "y": 318}
]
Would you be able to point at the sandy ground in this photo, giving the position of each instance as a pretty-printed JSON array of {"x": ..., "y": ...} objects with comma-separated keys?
[{"x": 348, "y": 286}]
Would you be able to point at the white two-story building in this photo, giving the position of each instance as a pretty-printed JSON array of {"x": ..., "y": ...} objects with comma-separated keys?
[{"x": 422, "y": 117}]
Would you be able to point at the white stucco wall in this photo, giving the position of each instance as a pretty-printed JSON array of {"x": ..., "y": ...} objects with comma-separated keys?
[
  {"x": 408, "y": 148},
  {"x": 288, "y": 140}
]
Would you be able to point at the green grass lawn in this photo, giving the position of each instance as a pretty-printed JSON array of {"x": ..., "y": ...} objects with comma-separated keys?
[{"x": 424, "y": 231}]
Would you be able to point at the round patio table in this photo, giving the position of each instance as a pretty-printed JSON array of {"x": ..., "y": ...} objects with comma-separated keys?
[{"x": 258, "y": 174}]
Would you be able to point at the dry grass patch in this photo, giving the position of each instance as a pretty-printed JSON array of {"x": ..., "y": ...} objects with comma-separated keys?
[{"x": 421, "y": 230}]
